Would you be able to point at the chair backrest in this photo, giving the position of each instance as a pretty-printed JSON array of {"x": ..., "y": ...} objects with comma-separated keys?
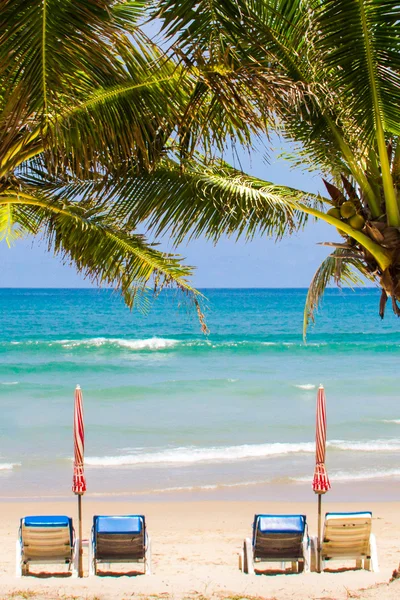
[
  {"x": 119, "y": 536},
  {"x": 346, "y": 535},
  {"x": 278, "y": 536},
  {"x": 50, "y": 537}
]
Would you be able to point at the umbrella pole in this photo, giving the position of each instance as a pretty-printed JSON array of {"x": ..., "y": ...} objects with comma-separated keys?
[
  {"x": 80, "y": 550},
  {"x": 319, "y": 535}
]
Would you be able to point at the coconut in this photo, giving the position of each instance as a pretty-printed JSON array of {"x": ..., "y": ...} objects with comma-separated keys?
[
  {"x": 357, "y": 222},
  {"x": 347, "y": 209},
  {"x": 340, "y": 232},
  {"x": 334, "y": 212}
]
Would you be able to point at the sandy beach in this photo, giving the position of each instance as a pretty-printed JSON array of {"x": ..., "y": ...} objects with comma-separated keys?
[{"x": 195, "y": 553}]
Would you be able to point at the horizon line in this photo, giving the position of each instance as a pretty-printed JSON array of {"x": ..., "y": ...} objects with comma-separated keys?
[{"x": 99, "y": 289}]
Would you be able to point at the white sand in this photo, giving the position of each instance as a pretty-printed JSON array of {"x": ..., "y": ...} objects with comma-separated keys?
[{"x": 195, "y": 553}]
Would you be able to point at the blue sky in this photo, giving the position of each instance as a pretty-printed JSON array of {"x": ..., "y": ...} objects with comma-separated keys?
[{"x": 261, "y": 263}]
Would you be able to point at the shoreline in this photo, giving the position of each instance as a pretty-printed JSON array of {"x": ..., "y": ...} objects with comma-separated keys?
[{"x": 384, "y": 490}]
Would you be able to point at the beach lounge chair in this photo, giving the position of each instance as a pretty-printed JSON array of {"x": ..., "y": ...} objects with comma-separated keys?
[
  {"x": 119, "y": 539},
  {"x": 45, "y": 540},
  {"x": 277, "y": 538},
  {"x": 347, "y": 536}
]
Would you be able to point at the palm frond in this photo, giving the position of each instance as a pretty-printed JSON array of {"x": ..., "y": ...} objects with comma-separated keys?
[
  {"x": 129, "y": 14},
  {"x": 207, "y": 200},
  {"x": 69, "y": 72},
  {"x": 343, "y": 266},
  {"x": 270, "y": 47},
  {"x": 85, "y": 234},
  {"x": 126, "y": 120},
  {"x": 248, "y": 57},
  {"x": 9, "y": 230},
  {"x": 16, "y": 221},
  {"x": 360, "y": 43},
  {"x": 47, "y": 46}
]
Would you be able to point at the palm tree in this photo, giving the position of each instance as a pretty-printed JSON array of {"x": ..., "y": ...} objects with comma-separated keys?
[
  {"x": 83, "y": 95},
  {"x": 90, "y": 109},
  {"x": 324, "y": 73},
  {"x": 103, "y": 134}
]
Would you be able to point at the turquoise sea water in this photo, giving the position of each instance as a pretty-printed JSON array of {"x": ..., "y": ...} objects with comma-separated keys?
[{"x": 167, "y": 408}]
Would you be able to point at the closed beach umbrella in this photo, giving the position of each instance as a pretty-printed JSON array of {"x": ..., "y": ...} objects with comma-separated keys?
[
  {"x": 78, "y": 482},
  {"x": 321, "y": 481}
]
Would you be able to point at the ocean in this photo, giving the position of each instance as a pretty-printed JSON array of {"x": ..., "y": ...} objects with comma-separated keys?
[{"x": 169, "y": 410}]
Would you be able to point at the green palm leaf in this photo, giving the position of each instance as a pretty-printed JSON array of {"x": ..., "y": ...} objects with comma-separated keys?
[
  {"x": 48, "y": 46},
  {"x": 86, "y": 234},
  {"x": 343, "y": 266},
  {"x": 360, "y": 42},
  {"x": 210, "y": 200}
]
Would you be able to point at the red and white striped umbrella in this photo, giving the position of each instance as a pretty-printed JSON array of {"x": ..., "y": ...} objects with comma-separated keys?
[
  {"x": 78, "y": 482},
  {"x": 321, "y": 481}
]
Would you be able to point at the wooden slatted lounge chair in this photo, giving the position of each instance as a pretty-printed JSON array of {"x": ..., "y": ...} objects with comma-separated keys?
[
  {"x": 277, "y": 538},
  {"x": 45, "y": 540},
  {"x": 347, "y": 536},
  {"x": 119, "y": 539}
]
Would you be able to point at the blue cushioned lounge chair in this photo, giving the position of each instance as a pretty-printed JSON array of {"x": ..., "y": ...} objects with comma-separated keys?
[
  {"x": 347, "y": 536},
  {"x": 277, "y": 538},
  {"x": 45, "y": 540},
  {"x": 119, "y": 539}
]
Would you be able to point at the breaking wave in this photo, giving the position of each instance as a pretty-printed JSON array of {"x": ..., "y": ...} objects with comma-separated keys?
[
  {"x": 355, "y": 475},
  {"x": 306, "y": 386},
  {"x": 8, "y": 466},
  {"x": 192, "y": 455},
  {"x": 244, "y": 346},
  {"x": 222, "y": 454},
  {"x": 145, "y": 344}
]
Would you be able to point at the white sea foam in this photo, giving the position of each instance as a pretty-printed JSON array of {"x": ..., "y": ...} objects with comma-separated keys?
[
  {"x": 191, "y": 455},
  {"x": 355, "y": 475},
  {"x": 142, "y": 344},
  {"x": 305, "y": 386},
  {"x": 9, "y": 382},
  {"x": 397, "y": 421},
  {"x": 8, "y": 466},
  {"x": 365, "y": 445},
  {"x": 213, "y": 486},
  {"x": 222, "y": 454},
  {"x": 182, "y": 488}
]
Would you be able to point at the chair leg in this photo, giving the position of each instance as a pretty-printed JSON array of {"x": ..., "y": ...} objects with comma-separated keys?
[
  {"x": 248, "y": 563},
  {"x": 306, "y": 554},
  {"x": 359, "y": 563},
  {"x": 374, "y": 565},
  {"x": 91, "y": 559},
  {"x": 313, "y": 554},
  {"x": 75, "y": 559},
  {"x": 241, "y": 560},
  {"x": 147, "y": 557},
  {"x": 245, "y": 563},
  {"x": 18, "y": 559}
]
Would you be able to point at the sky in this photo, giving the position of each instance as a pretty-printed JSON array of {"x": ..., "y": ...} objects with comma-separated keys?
[{"x": 260, "y": 263}]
